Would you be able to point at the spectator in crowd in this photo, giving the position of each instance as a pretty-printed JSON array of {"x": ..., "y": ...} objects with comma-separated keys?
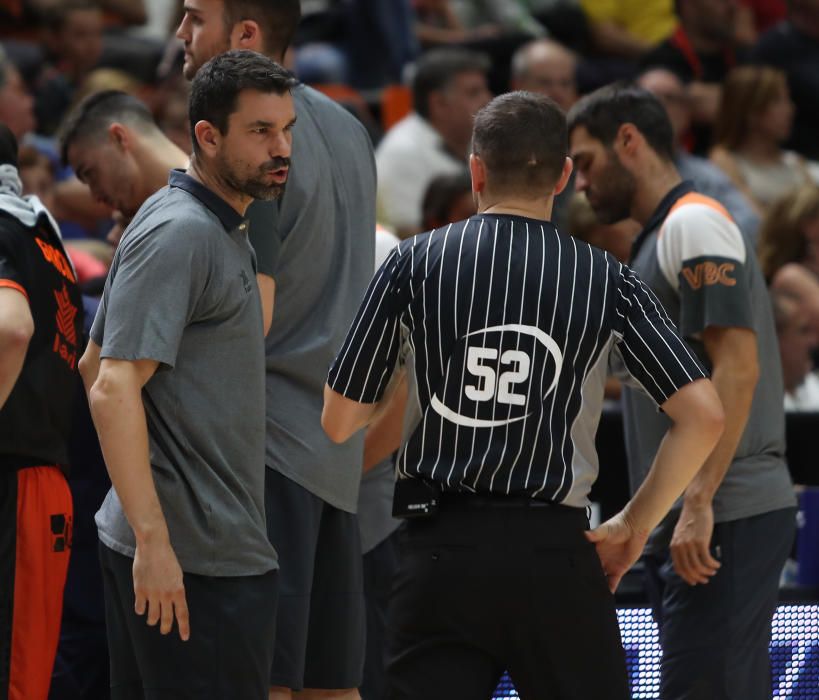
[
  {"x": 755, "y": 17},
  {"x": 505, "y": 26},
  {"x": 706, "y": 176},
  {"x": 547, "y": 67},
  {"x": 448, "y": 198},
  {"x": 40, "y": 342},
  {"x": 755, "y": 118},
  {"x": 797, "y": 340},
  {"x": 115, "y": 148},
  {"x": 793, "y": 47},
  {"x": 16, "y": 103},
  {"x": 544, "y": 66},
  {"x": 73, "y": 32},
  {"x": 449, "y": 87},
  {"x": 789, "y": 248},
  {"x": 437, "y": 24},
  {"x": 701, "y": 52},
  {"x": 380, "y": 41},
  {"x": 629, "y": 28},
  {"x": 714, "y": 565}
]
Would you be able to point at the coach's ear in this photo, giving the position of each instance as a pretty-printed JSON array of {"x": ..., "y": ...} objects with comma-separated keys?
[{"x": 477, "y": 169}]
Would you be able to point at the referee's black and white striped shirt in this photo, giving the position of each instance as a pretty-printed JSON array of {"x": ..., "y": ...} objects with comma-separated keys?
[{"x": 507, "y": 327}]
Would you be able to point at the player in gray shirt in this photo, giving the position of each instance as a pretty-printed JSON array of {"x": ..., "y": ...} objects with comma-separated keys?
[
  {"x": 174, "y": 372},
  {"x": 715, "y": 562}
]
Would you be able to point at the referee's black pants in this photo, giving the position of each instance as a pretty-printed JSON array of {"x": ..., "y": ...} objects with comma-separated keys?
[{"x": 491, "y": 586}]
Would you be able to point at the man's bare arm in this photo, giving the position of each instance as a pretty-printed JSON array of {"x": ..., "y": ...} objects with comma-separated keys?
[
  {"x": 733, "y": 355},
  {"x": 697, "y": 423},
  {"x": 342, "y": 417},
  {"x": 115, "y": 398},
  {"x": 267, "y": 293},
  {"x": 16, "y": 329},
  {"x": 384, "y": 433}
]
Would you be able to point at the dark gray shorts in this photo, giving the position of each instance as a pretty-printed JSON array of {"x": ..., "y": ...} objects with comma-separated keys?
[
  {"x": 229, "y": 651},
  {"x": 715, "y": 637},
  {"x": 321, "y": 621}
]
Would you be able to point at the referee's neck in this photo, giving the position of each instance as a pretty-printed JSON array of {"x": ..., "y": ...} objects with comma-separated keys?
[{"x": 533, "y": 209}]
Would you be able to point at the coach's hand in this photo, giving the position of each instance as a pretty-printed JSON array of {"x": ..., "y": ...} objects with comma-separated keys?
[
  {"x": 619, "y": 544},
  {"x": 690, "y": 542},
  {"x": 158, "y": 586}
]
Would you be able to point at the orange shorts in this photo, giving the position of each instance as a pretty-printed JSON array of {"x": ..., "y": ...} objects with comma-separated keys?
[{"x": 36, "y": 515}]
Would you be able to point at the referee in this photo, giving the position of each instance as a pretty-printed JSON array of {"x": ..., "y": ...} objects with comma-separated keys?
[{"x": 506, "y": 329}]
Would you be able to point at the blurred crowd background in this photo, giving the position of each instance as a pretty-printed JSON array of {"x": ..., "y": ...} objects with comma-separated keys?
[{"x": 739, "y": 79}]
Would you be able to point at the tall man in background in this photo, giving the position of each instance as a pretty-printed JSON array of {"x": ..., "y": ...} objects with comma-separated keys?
[
  {"x": 713, "y": 587},
  {"x": 317, "y": 243}
]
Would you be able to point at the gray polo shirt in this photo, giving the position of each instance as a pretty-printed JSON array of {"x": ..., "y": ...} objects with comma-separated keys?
[
  {"x": 182, "y": 291},
  {"x": 695, "y": 259},
  {"x": 318, "y": 243}
]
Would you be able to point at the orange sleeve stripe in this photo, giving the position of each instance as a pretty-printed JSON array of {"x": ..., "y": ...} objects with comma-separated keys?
[
  {"x": 697, "y": 198},
  {"x": 13, "y": 285}
]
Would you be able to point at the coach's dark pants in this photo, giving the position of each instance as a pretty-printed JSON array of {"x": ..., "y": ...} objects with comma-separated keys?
[
  {"x": 229, "y": 652},
  {"x": 715, "y": 637},
  {"x": 491, "y": 587}
]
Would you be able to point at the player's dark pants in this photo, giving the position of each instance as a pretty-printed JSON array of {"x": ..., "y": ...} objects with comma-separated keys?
[
  {"x": 715, "y": 637},
  {"x": 487, "y": 585},
  {"x": 229, "y": 651}
]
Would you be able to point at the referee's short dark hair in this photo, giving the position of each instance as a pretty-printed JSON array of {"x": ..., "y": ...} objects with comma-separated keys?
[
  {"x": 521, "y": 138},
  {"x": 604, "y": 111},
  {"x": 215, "y": 89},
  {"x": 436, "y": 69},
  {"x": 97, "y": 112}
]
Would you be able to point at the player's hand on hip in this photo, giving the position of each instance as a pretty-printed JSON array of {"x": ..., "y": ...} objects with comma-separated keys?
[
  {"x": 619, "y": 544},
  {"x": 690, "y": 544},
  {"x": 159, "y": 588}
]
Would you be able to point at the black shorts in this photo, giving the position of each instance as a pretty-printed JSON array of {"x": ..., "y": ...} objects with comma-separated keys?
[
  {"x": 730, "y": 660},
  {"x": 229, "y": 651},
  {"x": 483, "y": 589},
  {"x": 321, "y": 622}
]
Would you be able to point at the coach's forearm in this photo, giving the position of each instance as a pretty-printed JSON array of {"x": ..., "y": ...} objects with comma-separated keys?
[{"x": 119, "y": 416}]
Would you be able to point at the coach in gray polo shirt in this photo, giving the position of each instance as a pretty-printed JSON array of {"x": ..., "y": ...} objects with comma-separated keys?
[{"x": 175, "y": 372}]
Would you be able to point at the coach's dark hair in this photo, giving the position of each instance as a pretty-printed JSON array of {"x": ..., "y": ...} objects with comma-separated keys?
[
  {"x": 436, "y": 69},
  {"x": 278, "y": 20},
  {"x": 604, "y": 111},
  {"x": 97, "y": 112},
  {"x": 521, "y": 137},
  {"x": 215, "y": 89}
]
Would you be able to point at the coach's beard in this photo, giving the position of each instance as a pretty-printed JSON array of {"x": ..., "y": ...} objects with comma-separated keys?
[{"x": 257, "y": 185}]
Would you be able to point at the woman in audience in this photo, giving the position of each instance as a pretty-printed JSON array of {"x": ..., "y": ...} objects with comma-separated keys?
[
  {"x": 789, "y": 248},
  {"x": 755, "y": 117}
]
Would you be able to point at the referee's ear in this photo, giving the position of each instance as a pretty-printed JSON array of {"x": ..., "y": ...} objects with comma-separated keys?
[
  {"x": 563, "y": 180},
  {"x": 477, "y": 169}
]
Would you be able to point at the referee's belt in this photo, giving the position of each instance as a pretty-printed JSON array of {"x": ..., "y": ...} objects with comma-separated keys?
[{"x": 491, "y": 500}]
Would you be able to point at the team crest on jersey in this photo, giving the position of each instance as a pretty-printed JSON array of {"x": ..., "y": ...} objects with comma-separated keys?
[
  {"x": 65, "y": 338},
  {"x": 496, "y": 376}
]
